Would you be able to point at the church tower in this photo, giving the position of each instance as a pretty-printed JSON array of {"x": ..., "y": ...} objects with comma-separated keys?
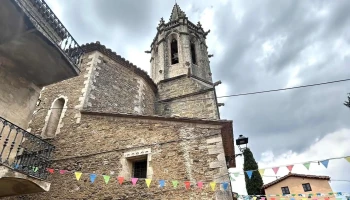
[{"x": 180, "y": 67}]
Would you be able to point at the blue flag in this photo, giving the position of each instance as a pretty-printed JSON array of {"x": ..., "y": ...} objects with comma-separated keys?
[
  {"x": 325, "y": 163},
  {"x": 249, "y": 173},
  {"x": 161, "y": 183},
  {"x": 225, "y": 185},
  {"x": 92, "y": 177}
]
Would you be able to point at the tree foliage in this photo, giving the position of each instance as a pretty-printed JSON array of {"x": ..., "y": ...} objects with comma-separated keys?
[
  {"x": 347, "y": 103},
  {"x": 255, "y": 183}
]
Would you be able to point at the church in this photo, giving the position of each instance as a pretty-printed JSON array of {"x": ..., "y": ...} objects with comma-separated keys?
[{"x": 120, "y": 133}]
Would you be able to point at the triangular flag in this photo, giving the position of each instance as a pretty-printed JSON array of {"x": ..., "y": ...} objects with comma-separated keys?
[
  {"x": 249, "y": 173},
  {"x": 161, "y": 183},
  {"x": 225, "y": 185},
  {"x": 339, "y": 193},
  {"x": 282, "y": 198},
  {"x": 175, "y": 183},
  {"x": 35, "y": 169},
  {"x": 51, "y": 171},
  {"x": 148, "y": 182},
  {"x": 120, "y": 179},
  {"x": 331, "y": 193},
  {"x": 262, "y": 171},
  {"x": 275, "y": 169},
  {"x": 92, "y": 177},
  {"x": 307, "y": 165},
  {"x": 134, "y": 181},
  {"x": 292, "y": 198},
  {"x": 63, "y": 171},
  {"x": 325, "y": 163},
  {"x": 237, "y": 173},
  {"x": 290, "y": 167},
  {"x": 326, "y": 198},
  {"x": 347, "y": 158},
  {"x": 78, "y": 175},
  {"x": 187, "y": 184},
  {"x": 200, "y": 184},
  {"x": 293, "y": 195},
  {"x": 212, "y": 185},
  {"x": 273, "y": 198},
  {"x": 106, "y": 178},
  {"x": 231, "y": 178},
  {"x": 16, "y": 166},
  {"x": 303, "y": 198},
  {"x": 262, "y": 198}
]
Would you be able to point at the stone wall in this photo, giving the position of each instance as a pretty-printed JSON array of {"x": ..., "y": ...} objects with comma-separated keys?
[
  {"x": 181, "y": 97},
  {"x": 114, "y": 88},
  {"x": 177, "y": 151},
  {"x": 18, "y": 96}
]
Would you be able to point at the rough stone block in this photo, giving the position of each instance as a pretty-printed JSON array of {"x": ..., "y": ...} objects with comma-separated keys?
[{"x": 214, "y": 140}]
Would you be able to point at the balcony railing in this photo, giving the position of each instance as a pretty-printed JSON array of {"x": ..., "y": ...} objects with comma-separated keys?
[
  {"x": 47, "y": 22},
  {"x": 23, "y": 151}
]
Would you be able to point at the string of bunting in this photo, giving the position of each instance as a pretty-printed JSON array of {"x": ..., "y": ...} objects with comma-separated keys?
[
  {"x": 313, "y": 196},
  {"x": 289, "y": 167}
]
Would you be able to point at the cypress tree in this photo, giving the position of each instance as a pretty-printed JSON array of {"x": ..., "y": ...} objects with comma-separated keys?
[
  {"x": 348, "y": 102},
  {"x": 255, "y": 183}
]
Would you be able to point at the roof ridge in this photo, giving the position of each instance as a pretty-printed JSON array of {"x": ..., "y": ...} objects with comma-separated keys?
[
  {"x": 92, "y": 46},
  {"x": 295, "y": 175}
]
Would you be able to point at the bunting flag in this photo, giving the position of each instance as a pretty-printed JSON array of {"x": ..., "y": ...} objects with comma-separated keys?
[
  {"x": 212, "y": 185},
  {"x": 292, "y": 198},
  {"x": 200, "y": 184},
  {"x": 307, "y": 165},
  {"x": 225, "y": 185},
  {"x": 249, "y": 173},
  {"x": 106, "y": 178},
  {"x": 262, "y": 171},
  {"x": 275, "y": 169},
  {"x": 325, "y": 163},
  {"x": 255, "y": 198},
  {"x": 290, "y": 167},
  {"x": 237, "y": 173},
  {"x": 35, "y": 169},
  {"x": 262, "y": 198},
  {"x": 231, "y": 178},
  {"x": 187, "y": 185},
  {"x": 347, "y": 158},
  {"x": 51, "y": 171},
  {"x": 92, "y": 178},
  {"x": 134, "y": 181},
  {"x": 273, "y": 198},
  {"x": 16, "y": 166},
  {"x": 120, "y": 180},
  {"x": 78, "y": 175},
  {"x": 148, "y": 182},
  {"x": 63, "y": 171},
  {"x": 161, "y": 183},
  {"x": 175, "y": 183}
]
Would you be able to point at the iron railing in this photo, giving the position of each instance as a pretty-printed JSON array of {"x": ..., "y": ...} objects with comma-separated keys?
[
  {"x": 23, "y": 151},
  {"x": 65, "y": 41}
]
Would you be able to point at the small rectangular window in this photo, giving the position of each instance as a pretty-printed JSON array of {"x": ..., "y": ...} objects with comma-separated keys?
[
  {"x": 307, "y": 187},
  {"x": 285, "y": 190},
  {"x": 140, "y": 169}
]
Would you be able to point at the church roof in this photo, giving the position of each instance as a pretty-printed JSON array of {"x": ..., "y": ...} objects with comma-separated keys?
[
  {"x": 97, "y": 46},
  {"x": 295, "y": 175},
  {"x": 176, "y": 13}
]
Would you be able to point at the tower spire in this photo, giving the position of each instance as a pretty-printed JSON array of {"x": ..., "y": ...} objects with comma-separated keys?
[{"x": 176, "y": 13}]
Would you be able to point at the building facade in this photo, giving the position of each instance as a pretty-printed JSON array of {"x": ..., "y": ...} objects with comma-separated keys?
[
  {"x": 300, "y": 185},
  {"x": 114, "y": 120}
]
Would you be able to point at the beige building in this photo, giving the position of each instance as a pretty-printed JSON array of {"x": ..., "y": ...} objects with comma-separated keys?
[
  {"x": 298, "y": 184},
  {"x": 114, "y": 119},
  {"x": 35, "y": 51}
]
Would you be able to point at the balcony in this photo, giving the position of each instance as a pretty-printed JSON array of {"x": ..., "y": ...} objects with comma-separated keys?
[
  {"x": 34, "y": 43},
  {"x": 24, "y": 161}
]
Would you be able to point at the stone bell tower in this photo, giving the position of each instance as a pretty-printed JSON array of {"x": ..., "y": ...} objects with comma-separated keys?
[
  {"x": 179, "y": 48},
  {"x": 180, "y": 68}
]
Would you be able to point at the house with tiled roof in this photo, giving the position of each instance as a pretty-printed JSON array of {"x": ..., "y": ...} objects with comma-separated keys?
[{"x": 298, "y": 185}]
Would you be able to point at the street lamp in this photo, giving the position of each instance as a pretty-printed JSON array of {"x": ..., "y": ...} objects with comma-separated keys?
[{"x": 241, "y": 141}]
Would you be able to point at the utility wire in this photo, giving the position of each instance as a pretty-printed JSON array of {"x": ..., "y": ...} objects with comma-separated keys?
[{"x": 232, "y": 95}]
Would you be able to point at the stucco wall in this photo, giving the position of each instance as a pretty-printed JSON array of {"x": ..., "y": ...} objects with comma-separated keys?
[
  {"x": 295, "y": 187},
  {"x": 18, "y": 97}
]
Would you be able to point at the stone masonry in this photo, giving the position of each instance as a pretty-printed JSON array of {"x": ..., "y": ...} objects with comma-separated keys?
[{"x": 116, "y": 114}]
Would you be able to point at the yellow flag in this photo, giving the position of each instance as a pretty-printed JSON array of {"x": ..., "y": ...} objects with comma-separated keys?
[
  {"x": 78, "y": 175},
  {"x": 347, "y": 158},
  {"x": 261, "y": 171},
  {"x": 148, "y": 182},
  {"x": 254, "y": 198},
  {"x": 212, "y": 185},
  {"x": 303, "y": 198}
]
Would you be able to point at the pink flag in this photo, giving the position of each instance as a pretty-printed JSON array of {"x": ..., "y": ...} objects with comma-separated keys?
[
  {"x": 63, "y": 171},
  {"x": 134, "y": 180},
  {"x": 51, "y": 171},
  {"x": 187, "y": 184},
  {"x": 275, "y": 169},
  {"x": 200, "y": 185},
  {"x": 290, "y": 167},
  {"x": 120, "y": 180}
]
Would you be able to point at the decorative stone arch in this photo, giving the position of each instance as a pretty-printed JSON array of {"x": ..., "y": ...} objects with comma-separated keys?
[
  {"x": 174, "y": 48},
  {"x": 53, "y": 120},
  {"x": 194, "y": 49}
]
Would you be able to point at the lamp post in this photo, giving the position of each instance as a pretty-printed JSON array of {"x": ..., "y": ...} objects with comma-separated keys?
[{"x": 240, "y": 142}]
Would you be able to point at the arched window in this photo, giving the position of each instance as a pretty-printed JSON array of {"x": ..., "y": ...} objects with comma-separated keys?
[
  {"x": 54, "y": 118},
  {"x": 174, "y": 52},
  {"x": 193, "y": 52}
]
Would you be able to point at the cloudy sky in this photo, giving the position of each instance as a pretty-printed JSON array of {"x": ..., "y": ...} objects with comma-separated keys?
[{"x": 257, "y": 45}]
